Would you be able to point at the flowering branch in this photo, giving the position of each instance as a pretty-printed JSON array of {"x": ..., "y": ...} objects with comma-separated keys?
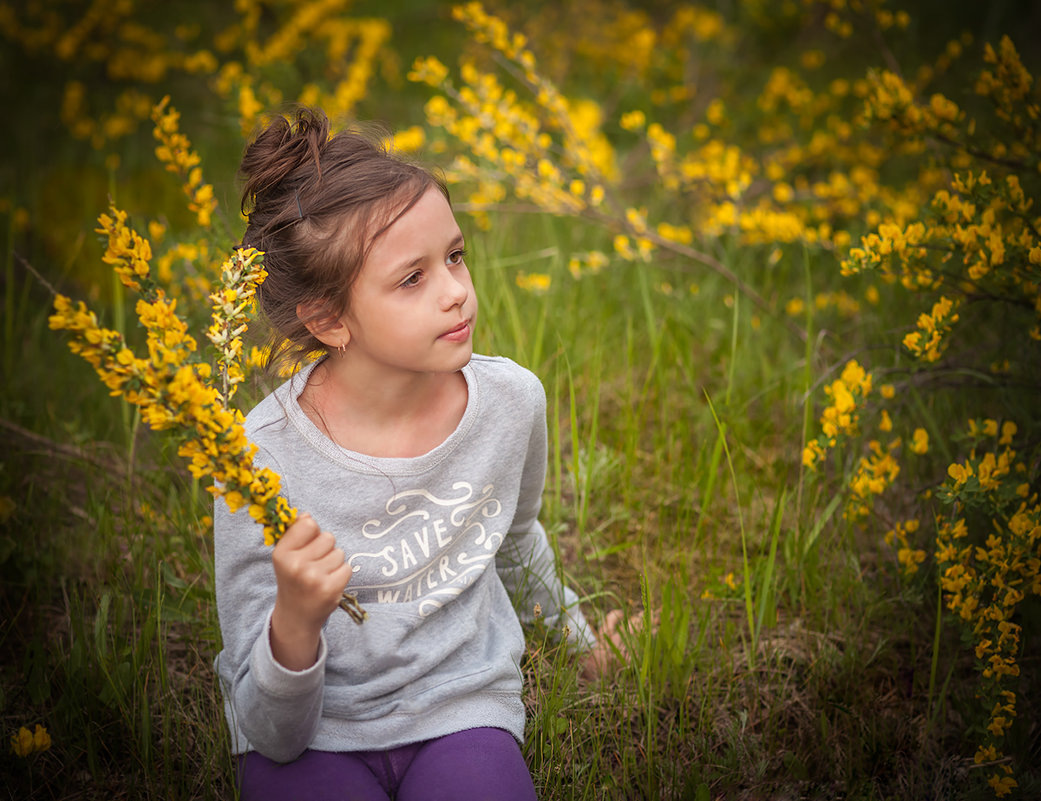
[
  {"x": 175, "y": 151},
  {"x": 173, "y": 389}
]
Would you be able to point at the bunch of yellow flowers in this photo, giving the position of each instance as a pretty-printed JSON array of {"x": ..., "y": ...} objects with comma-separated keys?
[
  {"x": 176, "y": 391},
  {"x": 172, "y": 389}
]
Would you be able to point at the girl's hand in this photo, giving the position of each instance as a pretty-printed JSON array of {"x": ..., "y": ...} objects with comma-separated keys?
[
  {"x": 311, "y": 573},
  {"x": 599, "y": 661}
]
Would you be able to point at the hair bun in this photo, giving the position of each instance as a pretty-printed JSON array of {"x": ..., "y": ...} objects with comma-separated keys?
[{"x": 282, "y": 157}]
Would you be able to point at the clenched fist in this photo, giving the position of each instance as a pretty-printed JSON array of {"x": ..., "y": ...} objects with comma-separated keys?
[{"x": 311, "y": 573}]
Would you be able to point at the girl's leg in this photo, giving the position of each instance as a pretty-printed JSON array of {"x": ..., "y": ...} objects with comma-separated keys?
[
  {"x": 314, "y": 776},
  {"x": 476, "y": 764}
]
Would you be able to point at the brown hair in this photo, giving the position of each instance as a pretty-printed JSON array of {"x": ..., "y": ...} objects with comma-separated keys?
[{"x": 315, "y": 205}]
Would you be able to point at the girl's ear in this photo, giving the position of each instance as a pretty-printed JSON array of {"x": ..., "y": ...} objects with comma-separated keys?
[{"x": 328, "y": 329}]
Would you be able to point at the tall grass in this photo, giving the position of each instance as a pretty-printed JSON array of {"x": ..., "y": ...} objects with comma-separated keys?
[{"x": 675, "y": 427}]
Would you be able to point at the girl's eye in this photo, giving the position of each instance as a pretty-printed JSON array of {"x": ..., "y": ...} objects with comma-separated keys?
[
  {"x": 412, "y": 280},
  {"x": 456, "y": 257}
]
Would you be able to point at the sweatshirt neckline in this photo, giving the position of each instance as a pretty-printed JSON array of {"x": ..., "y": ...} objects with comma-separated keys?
[{"x": 382, "y": 465}]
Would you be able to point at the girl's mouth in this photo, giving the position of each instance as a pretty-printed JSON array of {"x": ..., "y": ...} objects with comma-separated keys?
[{"x": 460, "y": 333}]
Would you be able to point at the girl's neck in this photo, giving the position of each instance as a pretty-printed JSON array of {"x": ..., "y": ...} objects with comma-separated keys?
[{"x": 403, "y": 415}]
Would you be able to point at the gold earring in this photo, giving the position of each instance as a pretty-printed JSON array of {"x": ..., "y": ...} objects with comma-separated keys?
[{"x": 342, "y": 348}]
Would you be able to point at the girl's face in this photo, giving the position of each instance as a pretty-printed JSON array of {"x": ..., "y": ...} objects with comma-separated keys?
[{"x": 413, "y": 305}]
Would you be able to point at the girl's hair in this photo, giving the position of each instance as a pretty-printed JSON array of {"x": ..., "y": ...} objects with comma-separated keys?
[{"x": 315, "y": 206}]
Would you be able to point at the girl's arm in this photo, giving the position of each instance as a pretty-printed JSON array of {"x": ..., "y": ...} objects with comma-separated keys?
[
  {"x": 272, "y": 707},
  {"x": 526, "y": 562}
]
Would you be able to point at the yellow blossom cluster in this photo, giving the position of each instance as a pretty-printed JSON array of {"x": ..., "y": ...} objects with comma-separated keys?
[
  {"x": 1012, "y": 89},
  {"x": 552, "y": 150},
  {"x": 175, "y": 152},
  {"x": 175, "y": 392},
  {"x": 878, "y": 468},
  {"x": 875, "y": 473},
  {"x": 534, "y": 282},
  {"x": 901, "y": 537},
  {"x": 174, "y": 389},
  {"x": 233, "y": 306},
  {"x": 892, "y": 244},
  {"x": 972, "y": 257},
  {"x": 264, "y": 53},
  {"x": 800, "y": 173},
  {"x": 928, "y": 341},
  {"x": 126, "y": 251},
  {"x": 892, "y": 100},
  {"x": 588, "y": 153},
  {"x": 590, "y": 262},
  {"x": 982, "y": 229},
  {"x": 25, "y": 742},
  {"x": 841, "y": 417},
  {"x": 985, "y": 582}
]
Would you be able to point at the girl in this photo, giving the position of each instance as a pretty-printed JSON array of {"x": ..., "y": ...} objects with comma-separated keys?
[{"x": 419, "y": 467}]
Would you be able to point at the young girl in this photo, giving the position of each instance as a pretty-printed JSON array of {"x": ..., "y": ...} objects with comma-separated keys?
[{"x": 418, "y": 468}]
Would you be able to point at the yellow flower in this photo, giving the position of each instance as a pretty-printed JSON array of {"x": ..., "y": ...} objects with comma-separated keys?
[
  {"x": 408, "y": 140},
  {"x": 22, "y": 742},
  {"x": 633, "y": 120},
  {"x": 26, "y": 742},
  {"x": 716, "y": 112},
  {"x": 428, "y": 70},
  {"x": 534, "y": 282},
  {"x": 920, "y": 441},
  {"x": 41, "y": 739},
  {"x": 910, "y": 558},
  {"x": 794, "y": 307},
  {"x": 985, "y": 754},
  {"x": 1002, "y": 785}
]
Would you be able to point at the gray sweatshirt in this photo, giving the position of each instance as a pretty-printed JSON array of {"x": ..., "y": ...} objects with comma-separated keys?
[{"x": 439, "y": 544}]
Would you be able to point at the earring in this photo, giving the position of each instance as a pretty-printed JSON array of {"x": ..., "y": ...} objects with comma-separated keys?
[{"x": 342, "y": 348}]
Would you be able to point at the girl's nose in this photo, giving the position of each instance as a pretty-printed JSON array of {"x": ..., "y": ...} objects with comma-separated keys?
[{"x": 455, "y": 289}]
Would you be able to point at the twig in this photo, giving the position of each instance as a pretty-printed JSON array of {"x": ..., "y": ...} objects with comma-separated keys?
[
  {"x": 70, "y": 452},
  {"x": 36, "y": 273}
]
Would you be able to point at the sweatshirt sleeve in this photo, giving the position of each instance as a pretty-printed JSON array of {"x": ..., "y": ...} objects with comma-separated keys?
[
  {"x": 526, "y": 562},
  {"x": 275, "y": 709}
]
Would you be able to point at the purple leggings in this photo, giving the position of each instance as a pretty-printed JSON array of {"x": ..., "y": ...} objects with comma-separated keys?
[{"x": 475, "y": 764}]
